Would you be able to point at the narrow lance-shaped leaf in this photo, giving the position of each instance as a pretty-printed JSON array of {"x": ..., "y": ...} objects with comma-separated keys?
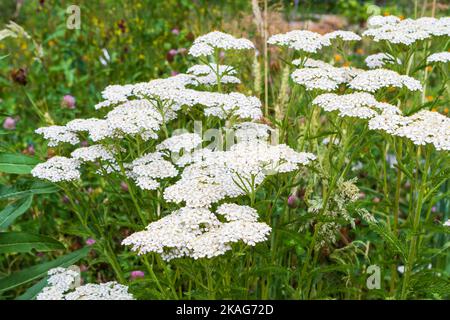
[
  {"x": 38, "y": 187},
  {"x": 25, "y": 242},
  {"x": 33, "y": 291},
  {"x": 16, "y": 163},
  {"x": 14, "y": 210}
]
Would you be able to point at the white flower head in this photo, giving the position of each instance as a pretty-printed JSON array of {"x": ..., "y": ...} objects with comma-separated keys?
[
  {"x": 135, "y": 117},
  {"x": 98, "y": 129},
  {"x": 104, "y": 291},
  {"x": 114, "y": 94},
  {"x": 235, "y": 212},
  {"x": 224, "y": 106},
  {"x": 218, "y": 241},
  {"x": 376, "y": 79},
  {"x": 197, "y": 233},
  {"x": 440, "y": 57},
  {"x": 202, "y": 187},
  {"x": 82, "y": 125},
  {"x": 207, "y": 74},
  {"x": 185, "y": 141},
  {"x": 150, "y": 167},
  {"x": 58, "y": 134},
  {"x": 170, "y": 235},
  {"x": 343, "y": 35},
  {"x": 205, "y": 45},
  {"x": 62, "y": 285},
  {"x": 377, "y": 21},
  {"x": 423, "y": 127},
  {"x": 406, "y": 32},
  {"x": 379, "y": 60},
  {"x": 315, "y": 78},
  {"x": 323, "y": 76},
  {"x": 93, "y": 153},
  {"x": 359, "y": 105},
  {"x": 216, "y": 175},
  {"x": 248, "y": 131},
  {"x": 427, "y": 127},
  {"x": 387, "y": 122},
  {"x": 61, "y": 278},
  {"x": 57, "y": 169},
  {"x": 102, "y": 130},
  {"x": 300, "y": 40}
]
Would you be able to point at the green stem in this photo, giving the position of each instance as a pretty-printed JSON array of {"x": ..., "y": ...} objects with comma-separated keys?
[
  {"x": 416, "y": 226},
  {"x": 111, "y": 256},
  {"x": 396, "y": 213},
  {"x": 308, "y": 255},
  {"x": 131, "y": 192},
  {"x": 152, "y": 275}
]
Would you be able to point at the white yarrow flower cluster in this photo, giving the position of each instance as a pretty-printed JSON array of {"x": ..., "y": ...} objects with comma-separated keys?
[
  {"x": 442, "y": 57},
  {"x": 376, "y": 79},
  {"x": 264, "y": 158},
  {"x": 359, "y": 105},
  {"x": 379, "y": 60},
  {"x": 185, "y": 141},
  {"x": 82, "y": 125},
  {"x": 208, "y": 74},
  {"x": 202, "y": 185},
  {"x": 217, "y": 175},
  {"x": 407, "y": 31},
  {"x": 98, "y": 129},
  {"x": 135, "y": 117},
  {"x": 62, "y": 286},
  {"x": 104, "y": 291},
  {"x": 235, "y": 212},
  {"x": 315, "y": 78},
  {"x": 170, "y": 235},
  {"x": 58, "y": 134},
  {"x": 378, "y": 21},
  {"x": 249, "y": 131},
  {"x": 57, "y": 169},
  {"x": 222, "y": 105},
  {"x": 300, "y": 40},
  {"x": 423, "y": 127},
  {"x": 206, "y": 45},
  {"x": 218, "y": 241},
  {"x": 146, "y": 169},
  {"x": 158, "y": 89},
  {"x": 343, "y": 35},
  {"x": 114, "y": 94},
  {"x": 197, "y": 233},
  {"x": 93, "y": 153},
  {"x": 320, "y": 75},
  {"x": 225, "y": 105}
]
